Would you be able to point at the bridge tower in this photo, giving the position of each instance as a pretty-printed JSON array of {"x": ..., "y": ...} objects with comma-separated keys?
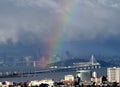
[{"x": 93, "y": 61}]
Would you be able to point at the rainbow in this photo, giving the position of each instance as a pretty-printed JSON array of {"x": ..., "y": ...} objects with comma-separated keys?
[{"x": 68, "y": 14}]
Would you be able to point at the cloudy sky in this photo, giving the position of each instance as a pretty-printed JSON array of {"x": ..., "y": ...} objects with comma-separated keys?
[{"x": 38, "y": 20}]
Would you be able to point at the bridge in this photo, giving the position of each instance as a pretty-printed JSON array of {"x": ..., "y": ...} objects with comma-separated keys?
[{"x": 92, "y": 63}]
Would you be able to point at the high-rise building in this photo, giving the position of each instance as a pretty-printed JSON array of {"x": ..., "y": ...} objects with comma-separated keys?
[
  {"x": 85, "y": 75},
  {"x": 113, "y": 74}
]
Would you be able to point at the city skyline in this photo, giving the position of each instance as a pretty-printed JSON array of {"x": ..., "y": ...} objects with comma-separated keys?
[
  {"x": 55, "y": 38},
  {"x": 82, "y": 27}
]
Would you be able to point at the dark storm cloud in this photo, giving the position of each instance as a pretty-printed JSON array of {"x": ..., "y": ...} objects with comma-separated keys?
[{"x": 36, "y": 20}]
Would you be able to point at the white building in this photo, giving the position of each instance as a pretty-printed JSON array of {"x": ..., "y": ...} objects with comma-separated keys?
[
  {"x": 113, "y": 74},
  {"x": 50, "y": 82},
  {"x": 69, "y": 77},
  {"x": 94, "y": 75}
]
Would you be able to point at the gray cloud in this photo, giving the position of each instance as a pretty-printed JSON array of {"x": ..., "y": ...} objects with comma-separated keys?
[{"x": 38, "y": 20}]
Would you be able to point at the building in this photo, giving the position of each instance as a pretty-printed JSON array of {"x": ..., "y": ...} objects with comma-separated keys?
[
  {"x": 85, "y": 75},
  {"x": 50, "y": 82},
  {"x": 113, "y": 74},
  {"x": 69, "y": 77},
  {"x": 94, "y": 74},
  {"x": 97, "y": 80},
  {"x": 68, "y": 80}
]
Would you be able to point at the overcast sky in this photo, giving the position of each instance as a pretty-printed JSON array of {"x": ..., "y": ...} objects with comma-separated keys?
[{"x": 38, "y": 20}]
